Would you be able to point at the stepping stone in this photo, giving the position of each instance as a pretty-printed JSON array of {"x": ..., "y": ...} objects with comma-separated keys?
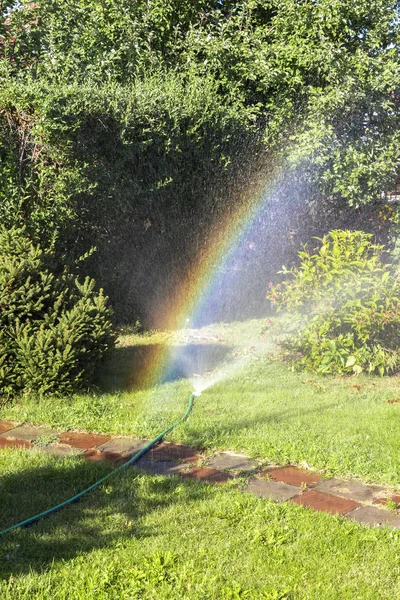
[
  {"x": 161, "y": 468},
  {"x": 360, "y": 492},
  {"x": 83, "y": 440},
  {"x": 95, "y": 455},
  {"x": 206, "y": 474},
  {"x": 124, "y": 446},
  {"x": 293, "y": 476},
  {"x": 5, "y": 443},
  {"x": 273, "y": 490},
  {"x": 236, "y": 462},
  {"x": 59, "y": 450},
  {"x": 6, "y": 426},
  {"x": 371, "y": 515},
  {"x": 326, "y": 502},
  {"x": 383, "y": 501},
  {"x": 170, "y": 452},
  {"x": 28, "y": 433},
  {"x": 114, "y": 457}
]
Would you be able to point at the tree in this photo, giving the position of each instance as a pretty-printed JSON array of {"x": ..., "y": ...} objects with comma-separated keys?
[
  {"x": 54, "y": 329},
  {"x": 123, "y": 123}
]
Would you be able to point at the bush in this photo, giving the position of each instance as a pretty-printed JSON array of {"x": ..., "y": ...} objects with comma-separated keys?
[
  {"x": 53, "y": 328},
  {"x": 346, "y": 302}
]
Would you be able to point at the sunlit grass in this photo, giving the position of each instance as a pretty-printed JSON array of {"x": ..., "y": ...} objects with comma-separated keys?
[
  {"x": 344, "y": 426},
  {"x": 146, "y": 537}
]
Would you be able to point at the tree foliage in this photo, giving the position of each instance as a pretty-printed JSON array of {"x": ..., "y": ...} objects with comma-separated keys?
[
  {"x": 347, "y": 304},
  {"x": 126, "y": 122},
  {"x": 54, "y": 329}
]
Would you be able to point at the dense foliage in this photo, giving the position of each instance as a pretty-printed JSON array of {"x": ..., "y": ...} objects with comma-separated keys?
[
  {"x": 54, "y": 329},
  {"x": 347, "y": 304},
  {"x": 123, "y": 124}
]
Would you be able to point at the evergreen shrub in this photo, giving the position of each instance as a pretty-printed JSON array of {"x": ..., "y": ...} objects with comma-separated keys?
[
  {"x": 54, "y": 329},
  {"x": 345, "y": 301}
]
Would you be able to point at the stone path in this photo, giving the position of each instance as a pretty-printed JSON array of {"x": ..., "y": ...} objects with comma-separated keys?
[{"x": 364, "y": 503}]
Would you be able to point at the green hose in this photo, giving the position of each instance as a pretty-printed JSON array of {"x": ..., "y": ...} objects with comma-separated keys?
[{"x": 131, "y": 461}]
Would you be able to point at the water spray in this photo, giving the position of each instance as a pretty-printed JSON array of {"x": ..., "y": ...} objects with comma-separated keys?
[
  {"x": 204, "y": 382},
  {"x": 130, "y": 462},
  {"x": 199, "y": 384}
]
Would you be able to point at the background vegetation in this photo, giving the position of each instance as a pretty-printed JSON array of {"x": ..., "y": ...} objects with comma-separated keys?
[
  {"x": 54, "y": 329},
  {"x": 345, "y": 301},
  {"x": 133, "y": 127}
]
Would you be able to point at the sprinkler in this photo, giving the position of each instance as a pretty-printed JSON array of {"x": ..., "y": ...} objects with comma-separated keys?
[{"x": 130, "y": 462}]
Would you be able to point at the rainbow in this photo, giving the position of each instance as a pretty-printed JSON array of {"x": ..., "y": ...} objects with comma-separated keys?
[{"x": 195, "y": 290}]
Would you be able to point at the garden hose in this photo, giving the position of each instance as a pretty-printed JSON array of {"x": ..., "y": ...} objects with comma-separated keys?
[{"x": 130, "y": 462}]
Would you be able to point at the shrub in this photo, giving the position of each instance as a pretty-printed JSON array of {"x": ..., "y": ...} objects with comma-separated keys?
[
  {"x": 54, "y": 329},
  {"x": 346, "y": 303}
]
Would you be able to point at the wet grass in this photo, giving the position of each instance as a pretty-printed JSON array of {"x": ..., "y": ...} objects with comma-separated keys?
[
  {"x": 151, "y": 537},
  {"x": 345, "y": 426}
]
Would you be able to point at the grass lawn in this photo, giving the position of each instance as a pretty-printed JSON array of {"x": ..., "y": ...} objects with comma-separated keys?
[
  {"x": 152, "y": 537},
  {"x": 344, "y": 426}
]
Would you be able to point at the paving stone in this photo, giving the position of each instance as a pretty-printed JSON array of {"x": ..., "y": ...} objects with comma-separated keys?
[
  {"x": 293, "y": 476},
  {"x": 95, "y": 455},
  {"x": 5, "y": 443},
  {"x": 207, "y": 474},
  {"x": 28, "y": 433},
  {"x": 160, "y": 455},
  {"x": 6, "y": 426},
  {"x": 115, "y": 458},
  {"x": 395, "y": 498},
  {"x": 236, "y": 462},
  {"x": 326, "y": 502},
  {"x": 83, "y": 440},
  {"x": 170, "y": 452},
  {"x": 272, "y": 489},
  {"x": 161, "y": 468},
  {"x": 125, "y": 446},
  {"x": 59, "y": 450},
  {"x": 355, "y": 490},
  {"x": 372, "y": 515}
]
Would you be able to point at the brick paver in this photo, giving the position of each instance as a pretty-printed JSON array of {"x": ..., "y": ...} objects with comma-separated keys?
[
  {"x": 274, "y": 490},
  {"x": 350, "y": 498},
  {"x": 83, "y": 440},
  {"x": 353, "y": 489},
  {"x": 235, "y": 462},
  {"x": 372, "y": 515},
  {"x": 59, "y": 450},
  {"x": 169, "y": 452},
  {"x": 95, "y": 455},
  {"x": 6, "y": 426},
  {"x": 326, "y": 502},
  {"x": 394, "y": 498},
  {"x": 28, "y": 433},
  {"x": 125, "y": 446},
  {"x": 162, "y": 467},
  {"x": 5, "y": 443},
  {"x": 293, "y": 476},
  {"x": 207, "y": 474}
]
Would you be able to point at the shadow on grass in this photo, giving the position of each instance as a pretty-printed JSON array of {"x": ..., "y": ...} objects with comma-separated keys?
[
  {"x": 103, "y": 517},
  {"x": 140, "y": 367}
]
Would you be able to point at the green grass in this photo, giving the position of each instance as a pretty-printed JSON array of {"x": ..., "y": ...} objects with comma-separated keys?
[
  {"x": 151, "y": 537},
  {"x": 341, "y": 425}
]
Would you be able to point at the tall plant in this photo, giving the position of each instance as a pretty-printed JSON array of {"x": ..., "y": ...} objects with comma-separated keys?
[
  {"x": 54, "y": 329},
  {"x": 347, "y": 304}
]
